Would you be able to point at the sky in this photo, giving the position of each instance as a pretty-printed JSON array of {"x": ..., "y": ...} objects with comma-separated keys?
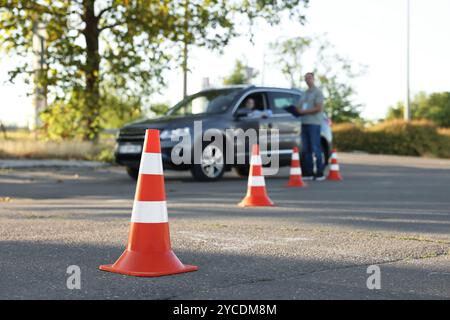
[{"x": 368, "y": 32}]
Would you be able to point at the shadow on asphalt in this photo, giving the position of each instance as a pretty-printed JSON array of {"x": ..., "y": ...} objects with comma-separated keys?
[
  {"x": 36, "y": 270},
  {"x": 371, "y": 197}
]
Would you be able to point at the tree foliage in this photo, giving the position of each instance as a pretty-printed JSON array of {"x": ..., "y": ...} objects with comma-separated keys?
[
  {"x": 434, "y": 107},
  {"x": 241, "y": 74},
  {"x": 89, "y": 43},
  {"x": 339, "y": 105},
  {"x": 159, "y": 109},
  {"x": 213, "y": 23},
  {"x": 64, "y": 119},
  {"x": 333, "y": 73},
  {"x": 95, "y": 46},
  {"x": 290, "y": 57}
]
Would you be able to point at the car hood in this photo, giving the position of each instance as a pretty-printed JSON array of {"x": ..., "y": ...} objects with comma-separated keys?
[{"x": 166, "y": 122}]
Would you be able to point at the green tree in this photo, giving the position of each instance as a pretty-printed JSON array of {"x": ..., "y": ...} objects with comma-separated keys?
[
  {"x": 94, "y": 46},
  {"x": 117, "y": 110},
  {"x": 63, "y": 120},
  {"x": 290, "y": 56},
  {"x": 434, "y": 107},
  {"x": 395, "y": 112},
  {"x": 339, "y": 104},
  {"x": 213, "y": 23},
  {"x": 334, "y": 73},
  {"x": 89, "y": 43},
  {"x": 159, "y": 109},
  {"x": 241, "y": 74}
]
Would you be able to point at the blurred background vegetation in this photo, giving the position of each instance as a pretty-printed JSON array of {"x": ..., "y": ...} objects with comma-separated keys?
[
  {"x": 101, "y": 60},
  {"x": 91, "y": 90},
  {"x": 397, "y": 137},
  {"x": 434, "y": 107}
]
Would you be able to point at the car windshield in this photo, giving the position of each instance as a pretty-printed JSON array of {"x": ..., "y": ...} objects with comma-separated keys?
[{"x": 208, "y": 102}]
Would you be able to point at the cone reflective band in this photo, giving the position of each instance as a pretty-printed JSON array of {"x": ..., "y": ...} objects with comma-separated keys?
[
  {"x": 149, "y": 252},
  {"x": 295, "y": 179},
  {"x": 334, "y": 174},
  {"x": 256, "y": 188}
]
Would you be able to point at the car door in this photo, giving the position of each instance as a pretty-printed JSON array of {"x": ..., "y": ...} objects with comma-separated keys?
[
  {"x": 253, "y": 122},
  {"x": 289, "y": 127}
]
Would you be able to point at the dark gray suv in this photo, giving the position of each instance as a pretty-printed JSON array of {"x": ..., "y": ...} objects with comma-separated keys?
[{"x": 220, "y": 109}]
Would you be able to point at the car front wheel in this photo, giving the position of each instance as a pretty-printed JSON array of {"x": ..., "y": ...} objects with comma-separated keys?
[{"x": 211, "y": 166}]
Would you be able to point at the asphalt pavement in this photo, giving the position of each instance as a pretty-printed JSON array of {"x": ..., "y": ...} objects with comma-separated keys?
[{"x": 317, "y": 243}]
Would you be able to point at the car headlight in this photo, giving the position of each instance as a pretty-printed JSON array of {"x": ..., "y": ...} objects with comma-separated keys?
[{"x": 174, "y": 133}]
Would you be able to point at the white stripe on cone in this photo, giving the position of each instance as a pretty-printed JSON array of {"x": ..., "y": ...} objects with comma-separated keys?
[
  {"x": 296, "y": 171},
  {"x": 334, "y": 156},
  {"x": 256, "y": 181},
  {"x": 256, "y": 160},
  {"x": 151, "y": 163},
  {"x": 334, "y": 167},
  {"x": 295, "y": 156},
  {"x": 149, "y": 212}
]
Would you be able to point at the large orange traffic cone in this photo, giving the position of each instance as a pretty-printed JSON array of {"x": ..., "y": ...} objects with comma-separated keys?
[
  {"x": 295, "y": 179},
  {"x": 149, "y": 252},
  {"x": 256, "y": 193},
  {"x": 334, "y": 174}
]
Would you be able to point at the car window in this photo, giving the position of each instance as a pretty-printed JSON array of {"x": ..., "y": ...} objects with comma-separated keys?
[
  {"x": 280, "y": 100},
  {"x": 255, "y": 101},
  {"x": 209, "y": 102}
]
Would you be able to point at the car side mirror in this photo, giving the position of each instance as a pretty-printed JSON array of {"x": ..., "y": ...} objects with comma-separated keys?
[{"x": 242, "y": 113}]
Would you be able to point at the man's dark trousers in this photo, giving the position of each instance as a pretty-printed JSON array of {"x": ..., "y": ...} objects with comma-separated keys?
[{"x": 311, "y": 146}]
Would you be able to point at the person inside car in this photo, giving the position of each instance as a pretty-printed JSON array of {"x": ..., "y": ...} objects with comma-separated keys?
[{"x": 254, "y": 112}]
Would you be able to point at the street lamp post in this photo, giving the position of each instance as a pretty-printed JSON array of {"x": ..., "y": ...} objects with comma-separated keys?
[
  {"x": 185, "y": 47},
  {"x": 407, "y": 113}
]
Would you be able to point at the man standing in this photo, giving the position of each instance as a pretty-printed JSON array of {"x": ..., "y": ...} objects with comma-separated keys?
[{"x": 311, "y": 110}]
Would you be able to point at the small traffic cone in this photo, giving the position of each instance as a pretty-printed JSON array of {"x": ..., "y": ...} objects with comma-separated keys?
[
  {"x": 149, "y": 252},
  {"x": 295, "y": 179},
  {"x": 334, "y": 174},
  {"x": 256, "y": 193}
]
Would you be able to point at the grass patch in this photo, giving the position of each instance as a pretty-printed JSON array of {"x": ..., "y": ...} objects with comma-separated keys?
[{"x": 27, "y": 145}]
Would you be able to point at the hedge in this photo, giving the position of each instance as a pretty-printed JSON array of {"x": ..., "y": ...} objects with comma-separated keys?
[{"x": 415, "y": 138}]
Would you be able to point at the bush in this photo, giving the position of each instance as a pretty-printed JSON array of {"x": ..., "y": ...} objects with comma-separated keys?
[
  {"x": 415, "y": 138},
  {"x": 63, "y": 120},
  {"x": 349, "y": 136},
  {"x": 444, "y": 150}
]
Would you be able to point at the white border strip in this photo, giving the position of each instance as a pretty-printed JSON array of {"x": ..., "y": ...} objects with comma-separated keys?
[
  {"x": 151, "y": 163},
  {"x": 334, "y": 167},
  {"x": 256, "y": 181},
  {"x": 256, "y": 160},
  {"x": 149, "y": 212}
]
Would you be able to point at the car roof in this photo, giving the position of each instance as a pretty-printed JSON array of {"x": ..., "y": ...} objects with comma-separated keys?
[
  {"x": 251, "y": 87},
  {"x": 240, "y": 86},
  {"x": 277, "y": 88}
]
